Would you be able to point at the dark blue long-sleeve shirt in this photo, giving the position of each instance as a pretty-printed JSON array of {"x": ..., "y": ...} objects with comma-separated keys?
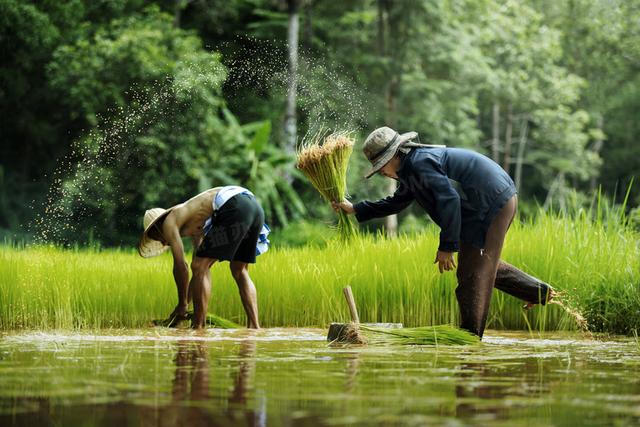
[{"x": 461, "y": 190}]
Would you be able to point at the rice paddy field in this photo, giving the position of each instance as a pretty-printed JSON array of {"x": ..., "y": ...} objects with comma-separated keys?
[
  {"x": 77, "y": 344},
  {"x": 595, "y": 267}
]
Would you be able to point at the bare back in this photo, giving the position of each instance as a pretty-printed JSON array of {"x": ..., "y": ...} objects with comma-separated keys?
[{"x": 189, "y": 217}]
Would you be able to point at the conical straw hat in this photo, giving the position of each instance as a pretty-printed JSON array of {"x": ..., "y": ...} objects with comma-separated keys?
[{"x": 148, "y": 247}]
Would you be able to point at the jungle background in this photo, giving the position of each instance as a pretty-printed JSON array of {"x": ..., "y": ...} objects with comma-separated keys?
[{"x": 109, "y": 108}]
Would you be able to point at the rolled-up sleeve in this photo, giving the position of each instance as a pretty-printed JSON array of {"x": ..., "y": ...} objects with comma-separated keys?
[
  {"x": 390, "y": 205},
  {"x": 447, "y": 203}
]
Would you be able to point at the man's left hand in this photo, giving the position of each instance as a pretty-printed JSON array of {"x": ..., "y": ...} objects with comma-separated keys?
[{"x": 445, "y": 261}]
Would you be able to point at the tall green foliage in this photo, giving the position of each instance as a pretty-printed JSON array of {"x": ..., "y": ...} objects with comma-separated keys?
[{"x": 549, "y": 89}]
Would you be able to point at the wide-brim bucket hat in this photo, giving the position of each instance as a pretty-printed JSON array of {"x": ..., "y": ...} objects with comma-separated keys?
[
  {"x": 381, "y": 145},
  {"x": 148, "y": 247}
]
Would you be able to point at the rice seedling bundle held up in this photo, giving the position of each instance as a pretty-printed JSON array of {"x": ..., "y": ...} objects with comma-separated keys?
[{"x": 324, "y": 160}]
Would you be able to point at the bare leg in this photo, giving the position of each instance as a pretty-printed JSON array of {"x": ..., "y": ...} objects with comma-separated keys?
[
  {"x": 200, "y": 287},
  {"x": 248, "y": 295}
]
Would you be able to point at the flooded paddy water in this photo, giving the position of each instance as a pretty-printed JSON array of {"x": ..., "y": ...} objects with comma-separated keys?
[{"x": 162, "y": 377}]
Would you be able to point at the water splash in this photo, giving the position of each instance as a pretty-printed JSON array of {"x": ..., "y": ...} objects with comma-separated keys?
[
  {"x": 83, "y": 170},
  {"x": 326, "y": 98},
  {"x": 575, "y": 314}
]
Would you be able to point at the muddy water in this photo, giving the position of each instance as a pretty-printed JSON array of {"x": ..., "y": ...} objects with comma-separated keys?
[{"x": 163, "y": 377}]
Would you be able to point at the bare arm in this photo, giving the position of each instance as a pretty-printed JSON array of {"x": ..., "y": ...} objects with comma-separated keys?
[
  {"x": 195, "y": 242},
  {"x": 180, "y": 267}
]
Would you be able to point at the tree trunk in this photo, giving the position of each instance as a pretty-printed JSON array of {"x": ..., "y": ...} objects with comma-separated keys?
[
  {"x": 177, "y": 11},
  {"x": 290, "y": 125},
  {"x": 562, "y": 186},
  {"x": 557, "y": 186},
  {"x": 508, "y": 135},
  {"x": 380, "y": 35},
  {"x": 495, "y": 133},
  {"x": 391, "y": 221},
  {"x": 307, "y": 32},
  {"x": 552, "y": 190},
  {"x": 524, "y": 130},
  {"x": 597, "y": 146}
]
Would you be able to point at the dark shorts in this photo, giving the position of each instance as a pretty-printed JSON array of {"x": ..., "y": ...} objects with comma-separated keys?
[{"x": 234, "y": 232}]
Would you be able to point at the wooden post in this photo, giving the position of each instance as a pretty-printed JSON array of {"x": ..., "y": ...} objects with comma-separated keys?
[{"x": 352, "y": 304}]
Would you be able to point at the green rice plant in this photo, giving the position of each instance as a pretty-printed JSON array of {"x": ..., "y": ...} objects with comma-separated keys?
[
  {"x": 594, "y": 264},
  {"x": 424, "y": 335},
  {"x": 325, "y": 161}
]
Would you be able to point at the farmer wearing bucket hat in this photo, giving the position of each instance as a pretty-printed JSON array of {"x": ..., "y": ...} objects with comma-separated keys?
[
  {"x": 471, "y": 198},
  {"x": 225, "y": 224}
]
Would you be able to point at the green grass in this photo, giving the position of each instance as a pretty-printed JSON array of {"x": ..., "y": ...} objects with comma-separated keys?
[{"x": 595, "y": 266}]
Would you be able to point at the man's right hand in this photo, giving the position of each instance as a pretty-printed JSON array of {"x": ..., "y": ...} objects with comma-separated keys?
[{"x": 344, "y": 205}]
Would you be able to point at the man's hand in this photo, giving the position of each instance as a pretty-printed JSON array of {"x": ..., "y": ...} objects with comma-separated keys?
[
  {"x": 178, "y": 315},
  {"x": 445, "y": 261},
  {"x": 344, "y": 205}
]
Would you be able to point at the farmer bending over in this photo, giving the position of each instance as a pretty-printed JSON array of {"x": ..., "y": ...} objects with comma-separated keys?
[
  {"x": 225, "y": 224},
  {"x": 471, "y": 198}
]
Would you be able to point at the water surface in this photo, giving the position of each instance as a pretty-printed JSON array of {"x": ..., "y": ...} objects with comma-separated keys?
[{"x": 163, "y": 377}]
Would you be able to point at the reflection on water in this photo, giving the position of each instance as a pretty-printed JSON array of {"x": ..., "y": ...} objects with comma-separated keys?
[
  {"x": 481, "y": 392},
  {"x": 244, "y": 378},
  {"x": 192, "y": 396}
]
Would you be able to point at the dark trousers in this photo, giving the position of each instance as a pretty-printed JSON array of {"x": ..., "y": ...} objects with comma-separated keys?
[{"x": 479, "y": 271}]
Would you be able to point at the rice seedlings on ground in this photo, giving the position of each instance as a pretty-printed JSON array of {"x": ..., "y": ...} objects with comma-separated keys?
[{"x": 425, "y": 335}]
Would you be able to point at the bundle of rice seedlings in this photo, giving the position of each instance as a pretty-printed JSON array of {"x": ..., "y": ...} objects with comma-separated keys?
[
  {"x": 424, "y": 335},
  {"x": 324, "y": 160}
]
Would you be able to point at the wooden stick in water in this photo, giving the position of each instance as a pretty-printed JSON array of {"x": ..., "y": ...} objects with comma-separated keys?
[{"x": 352, "y": 304}]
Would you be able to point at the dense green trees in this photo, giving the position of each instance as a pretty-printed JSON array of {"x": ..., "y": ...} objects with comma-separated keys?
[
  {"x": 157, "y": 130},
  {"x": 601, "y": 43},
  {"x": 149, "y": 101}
]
